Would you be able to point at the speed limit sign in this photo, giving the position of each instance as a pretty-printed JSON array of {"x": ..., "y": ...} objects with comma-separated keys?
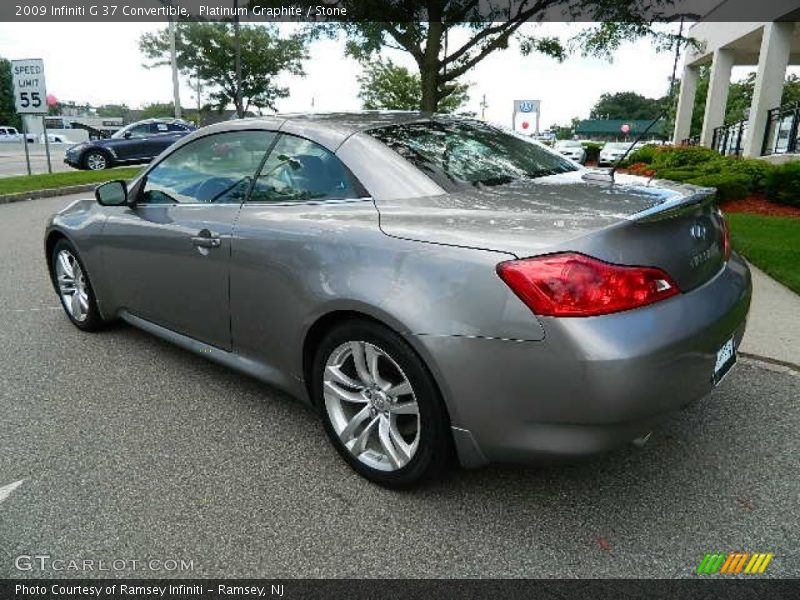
[{"x": 30, "y": 93}]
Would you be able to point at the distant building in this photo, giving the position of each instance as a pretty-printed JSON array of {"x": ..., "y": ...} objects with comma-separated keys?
[
  {"x": 611, "y": 130},
  {"x": 770, "y": 130}
]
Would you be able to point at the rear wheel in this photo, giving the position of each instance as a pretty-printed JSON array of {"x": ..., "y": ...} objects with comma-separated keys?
[
  {"x": 380, "y": 406},
  {"x": 96, "y": 161},
  {"x": 74, "y": 288}
]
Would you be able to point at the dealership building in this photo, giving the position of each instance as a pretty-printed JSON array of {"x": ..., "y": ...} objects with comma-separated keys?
[{"x": 770, "y": 47}]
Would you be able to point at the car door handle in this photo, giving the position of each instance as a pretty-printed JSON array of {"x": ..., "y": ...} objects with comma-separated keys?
[{"x": 206, "y": 241}]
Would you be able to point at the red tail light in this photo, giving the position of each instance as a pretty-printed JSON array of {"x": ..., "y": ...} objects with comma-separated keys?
[{"x": 575, "y": 285}]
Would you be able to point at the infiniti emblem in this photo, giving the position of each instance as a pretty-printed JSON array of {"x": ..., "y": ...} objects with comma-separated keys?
[{"x": 698, "y": 231}]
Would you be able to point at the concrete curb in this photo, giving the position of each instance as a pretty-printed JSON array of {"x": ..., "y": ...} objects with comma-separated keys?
[{"x": 48, "y": 193}]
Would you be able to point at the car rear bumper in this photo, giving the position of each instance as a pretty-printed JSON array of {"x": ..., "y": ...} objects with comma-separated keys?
[{"x": 593, "y": 383}]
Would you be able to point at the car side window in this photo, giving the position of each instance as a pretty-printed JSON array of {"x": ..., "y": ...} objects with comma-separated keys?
[
  {"x": 213, "y": 169},
  {"x": 139, "y": 131},
  {"x": 176, "y": 127},
  {"x": 156, "y": 128},
  {"x": 299, "y": 170}
]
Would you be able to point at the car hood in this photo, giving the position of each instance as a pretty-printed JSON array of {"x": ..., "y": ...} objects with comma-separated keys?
[{"x": 528, "y": 217}]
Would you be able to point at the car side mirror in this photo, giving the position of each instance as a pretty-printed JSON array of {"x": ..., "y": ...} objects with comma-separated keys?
[
  {"x": 127, "y": 135},
  {"x": 113, "y": 193}
]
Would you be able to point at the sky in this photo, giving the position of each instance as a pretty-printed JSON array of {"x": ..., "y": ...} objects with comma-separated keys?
[{"x": 101, "y": 64}]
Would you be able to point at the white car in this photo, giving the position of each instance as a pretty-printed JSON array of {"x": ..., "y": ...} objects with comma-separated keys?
[
  {"x": 612, "y": 152},
  {"x": 572, "y": 149},
  {"x": 56, "y": 138},
  {"x": 10, "y": 134}
]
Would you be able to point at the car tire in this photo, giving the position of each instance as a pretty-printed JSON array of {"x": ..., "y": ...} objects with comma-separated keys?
[
  {"x": 74, "y": 288},
  {"x": 96, "y": 160},
  {"x": 376, "y": 430}
]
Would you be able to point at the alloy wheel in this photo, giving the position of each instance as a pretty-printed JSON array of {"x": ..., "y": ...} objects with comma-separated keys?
[
  {"x": 96, "y": 162},
  {"x": 72, "y": 286},
  {"x": 371, "y": 405}
]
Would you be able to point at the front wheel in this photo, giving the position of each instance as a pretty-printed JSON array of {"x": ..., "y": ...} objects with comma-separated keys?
[
  {"x": 74, "y": 288},
  {"x": 380, "y": 405},
  {"x": 96, "y": 161}
]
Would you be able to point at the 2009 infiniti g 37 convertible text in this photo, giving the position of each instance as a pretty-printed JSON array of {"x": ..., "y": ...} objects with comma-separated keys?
[{"x": 435, "y": 287}]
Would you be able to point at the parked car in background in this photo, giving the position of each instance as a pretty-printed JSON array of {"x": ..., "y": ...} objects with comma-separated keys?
[
  {"x": 10, "y": 134},
  {"x": 612, "y": 152},
  {"x": 572, "y": 149},
  {"x": 137, "y": 143},
  {"x": 546, "y": 137},
  {"x": 433, "y": 286},
  {"x": 56, "y": 138}
]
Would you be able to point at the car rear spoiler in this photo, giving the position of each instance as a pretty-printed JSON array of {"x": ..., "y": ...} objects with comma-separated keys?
[{"x": 677, "y": 206}]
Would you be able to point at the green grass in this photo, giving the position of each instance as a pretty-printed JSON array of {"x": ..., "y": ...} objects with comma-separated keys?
[
  {"x": 30, "y": 183},
  {"x": 770, "y": 243}
]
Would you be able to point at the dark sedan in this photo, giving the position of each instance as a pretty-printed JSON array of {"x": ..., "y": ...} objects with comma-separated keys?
[{"x": 137, "y": 143}]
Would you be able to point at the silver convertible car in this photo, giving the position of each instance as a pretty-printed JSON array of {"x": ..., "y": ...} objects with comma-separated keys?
[{"x": 436, "y": 288}]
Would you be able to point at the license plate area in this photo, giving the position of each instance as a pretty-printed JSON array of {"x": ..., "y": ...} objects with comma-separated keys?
[{"x": 726, "y": 358}]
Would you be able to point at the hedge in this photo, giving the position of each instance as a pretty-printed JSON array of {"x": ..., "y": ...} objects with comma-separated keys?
[
  {"x": 783, "y": 184},
  {"x": 733, "y": 177}
]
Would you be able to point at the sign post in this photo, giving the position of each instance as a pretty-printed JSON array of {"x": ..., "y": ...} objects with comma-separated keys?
[
  {"x": 25, "y": 145},
  {"x": 525, "y": 108},
  {"x": 30, "y": 93}
]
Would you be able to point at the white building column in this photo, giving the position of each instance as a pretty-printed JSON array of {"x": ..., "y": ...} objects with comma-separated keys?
[
  {"x": 773, "y": 58},
  {"x": 683, "y": 115},
  {"x": 717, "y": 98}
]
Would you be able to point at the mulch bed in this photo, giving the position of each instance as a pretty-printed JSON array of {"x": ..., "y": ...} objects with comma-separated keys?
[{"x": 757, "y": 204}]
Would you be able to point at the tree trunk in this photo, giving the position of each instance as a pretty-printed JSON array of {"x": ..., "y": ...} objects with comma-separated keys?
[{"x": 430, "y": 64}]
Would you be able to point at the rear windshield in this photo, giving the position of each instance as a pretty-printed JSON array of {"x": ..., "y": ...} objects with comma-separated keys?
[{"x": 459, "y": 153}]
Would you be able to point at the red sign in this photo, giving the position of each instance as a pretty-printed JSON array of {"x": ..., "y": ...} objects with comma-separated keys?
[{"x": 525, "y": 124}]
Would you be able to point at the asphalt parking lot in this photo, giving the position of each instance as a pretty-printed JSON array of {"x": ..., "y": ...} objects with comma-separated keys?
[{"x": 129, "y": 448}]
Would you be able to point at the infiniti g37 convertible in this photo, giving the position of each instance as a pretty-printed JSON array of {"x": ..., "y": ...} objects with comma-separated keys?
[{"x": 436, "y": 288}]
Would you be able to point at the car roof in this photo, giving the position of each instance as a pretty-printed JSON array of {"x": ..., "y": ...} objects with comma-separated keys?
[{"x": 329, "y": 129}]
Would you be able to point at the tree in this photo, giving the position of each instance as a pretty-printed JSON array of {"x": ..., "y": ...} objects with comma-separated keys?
[
  {"x": 385, "y": 85},
  {"x": 8, "y": 112},
  {"x": 206, "y": 51},
  {"x": 113, "y": 110},
  {"x": 421, "y": 28},
  {"x": 626, "y": 105}
]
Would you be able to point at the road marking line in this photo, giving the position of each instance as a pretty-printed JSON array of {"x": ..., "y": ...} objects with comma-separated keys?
[
  {"x": 6, "y": 490},
  {"x": 18, "y": 310}
]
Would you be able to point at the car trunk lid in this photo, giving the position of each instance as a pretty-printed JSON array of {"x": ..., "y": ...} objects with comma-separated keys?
[{"x": 631, "y": 220}]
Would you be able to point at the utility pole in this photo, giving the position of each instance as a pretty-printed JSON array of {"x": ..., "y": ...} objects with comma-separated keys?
[
  {"x": 199, "y": 101},
  {"x": 238, "y": 58},
  {"x": 484, "y": 105},
  {"x": 173, "y": 60}
]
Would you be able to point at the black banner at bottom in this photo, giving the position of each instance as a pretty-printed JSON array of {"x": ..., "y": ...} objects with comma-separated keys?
[{"x": 356, "y": 589}]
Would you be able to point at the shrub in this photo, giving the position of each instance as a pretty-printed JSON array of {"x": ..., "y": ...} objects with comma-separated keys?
[
  {"x": 756, "y": 170},
  {"x": 680, "y": 174},
  {"x": 645, "y": 154},
  {"x": 681, "y": 156},
  {"x": 592, "y": 150},
  {"x": 730, "y": 186},
  {"x": 783, "y": 184}
]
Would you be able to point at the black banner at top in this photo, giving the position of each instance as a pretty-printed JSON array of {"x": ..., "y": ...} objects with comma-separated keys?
[{"x": 448, "y": 11}]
